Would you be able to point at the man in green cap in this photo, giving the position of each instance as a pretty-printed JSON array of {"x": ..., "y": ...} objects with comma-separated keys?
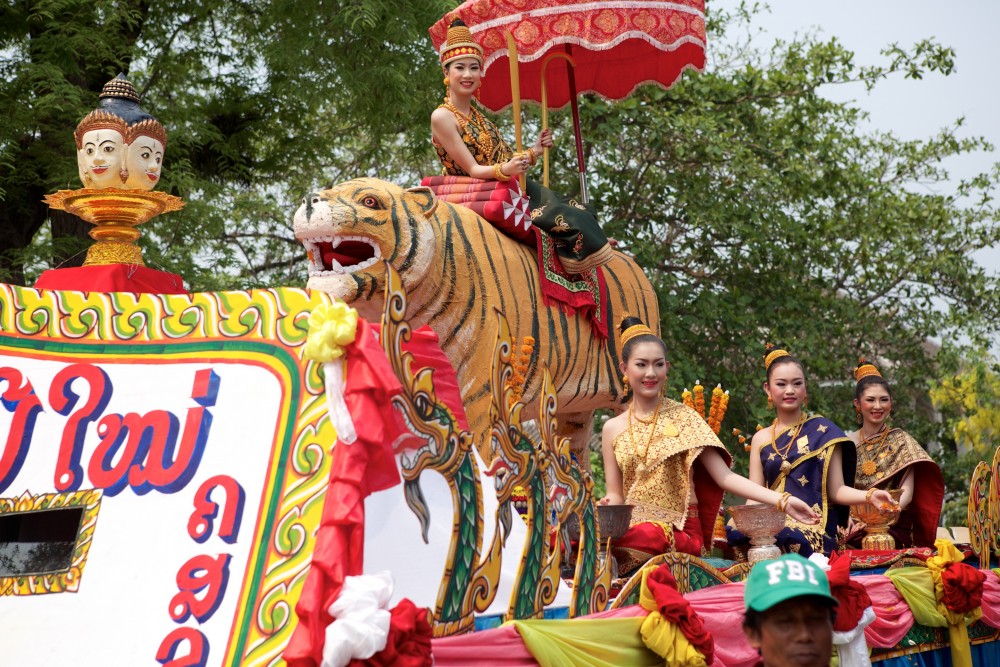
[{"x": 789, "y": 613}]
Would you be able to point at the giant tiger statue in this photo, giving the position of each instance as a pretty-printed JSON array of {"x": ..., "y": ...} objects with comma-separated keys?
[{"x": 457, "y": 270}]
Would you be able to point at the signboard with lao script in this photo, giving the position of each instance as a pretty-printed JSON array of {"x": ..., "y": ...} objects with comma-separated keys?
[{"x": 164, "y": 459}]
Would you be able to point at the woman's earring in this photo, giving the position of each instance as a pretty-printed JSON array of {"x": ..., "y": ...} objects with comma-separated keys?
[
  {"x": 446, "y": 82},
  {"x": 770, "y": 403},
  {"x": 857, "y": 415},
  {"x": 625, "y": 382}
]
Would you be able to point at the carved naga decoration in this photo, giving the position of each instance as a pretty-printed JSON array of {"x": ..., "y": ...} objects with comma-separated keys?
[
  {"x": 468, "y": 585},
  {"x": 984, "y": 510},
  {"x": 520, "y": 462},
  {"x": 571, "y": 493}
]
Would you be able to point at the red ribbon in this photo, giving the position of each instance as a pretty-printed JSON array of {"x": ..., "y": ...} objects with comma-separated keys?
[
  {"x": 357, "y": 470},
  {"x": 963, "y": 588},
  {"x": 676, "y": 609},
  {"x": 852, "y": 597},
  {"x": 409, "y": 641}
]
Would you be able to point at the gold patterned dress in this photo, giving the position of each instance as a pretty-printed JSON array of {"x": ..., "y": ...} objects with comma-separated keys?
[
  {"x": 659, "y": 461},
  {"x": 579, "y": 241},
  {"x": 883, "y": 461}
]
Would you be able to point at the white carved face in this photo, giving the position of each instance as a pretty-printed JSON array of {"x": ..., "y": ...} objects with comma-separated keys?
[
  {"x": 100, "y": 160},
  {"x": 143, "y": 160}
]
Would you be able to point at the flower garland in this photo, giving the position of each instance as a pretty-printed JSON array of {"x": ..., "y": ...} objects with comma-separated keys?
[
  {"x": 699, "y": 398},
  {"x": 521, "y": 366},
  {"x": 717, "y": 410}
]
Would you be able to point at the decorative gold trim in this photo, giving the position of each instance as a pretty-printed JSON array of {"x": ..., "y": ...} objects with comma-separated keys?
[
  {"x": 65, "y": 581},
  {"x": 115, "y": 213}
]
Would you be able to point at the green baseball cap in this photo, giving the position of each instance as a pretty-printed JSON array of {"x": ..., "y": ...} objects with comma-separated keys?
[{"x": 790, "y": 576}]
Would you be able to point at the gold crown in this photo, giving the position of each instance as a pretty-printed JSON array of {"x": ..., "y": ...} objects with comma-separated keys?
[
  {"x": 99, "y": 120},
  {"x": 149, "y": 128},
  {"x": 634, "y": 331},
  {"x": 774, "y": 353},
  {"x": 865, "y": 369},
  {"x": 460, "y": 44},
  {"x": 119, "y": 87}
]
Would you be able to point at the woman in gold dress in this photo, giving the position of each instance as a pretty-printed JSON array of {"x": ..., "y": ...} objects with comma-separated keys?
[
  {"x": 469, "y": 144},
  {"x": 663, "y": 458}
]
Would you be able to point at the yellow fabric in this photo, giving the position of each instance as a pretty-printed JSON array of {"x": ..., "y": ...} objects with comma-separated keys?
[
  {"x": 663, "y": 637},
  {"x": 607, "y": 642},
  {"x": 923, "y": 590},
  {"x": 331, "y": 328},
  {"x": 658, "y": 484}
]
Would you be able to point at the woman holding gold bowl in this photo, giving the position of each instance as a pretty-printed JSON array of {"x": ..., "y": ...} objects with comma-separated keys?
[
  {"x": 889, "y": 458},
  {"x": 804, "y": 455},
  {"x": 469, "y": 144},
  {"x": 662, "y": 457}
]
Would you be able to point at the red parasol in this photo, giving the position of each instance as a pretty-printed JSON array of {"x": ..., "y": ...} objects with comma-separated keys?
[{"x": 616, "y": 46}]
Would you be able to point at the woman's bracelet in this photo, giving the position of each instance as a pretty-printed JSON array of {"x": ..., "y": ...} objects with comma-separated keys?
[
  {"x": 532, "y": 156},
  {"x": 868, "y": 496},
  {"x": 498, "y": 173},
  {"x": 783, "y": 501}
]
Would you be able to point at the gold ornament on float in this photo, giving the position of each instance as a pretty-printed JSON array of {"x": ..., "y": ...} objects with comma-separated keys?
[{"x": 119, "y": 154}]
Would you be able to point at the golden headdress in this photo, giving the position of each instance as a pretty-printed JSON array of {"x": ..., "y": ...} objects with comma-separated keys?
[
  {"x": 865, "y": 369},
  {"x": 148, "y": 128},
  {"x": 460, "y": 44},
  {"x": 773, "y": 353},
  {"x": 634, "y": 331},
  {"x": 99, "y": 120}
]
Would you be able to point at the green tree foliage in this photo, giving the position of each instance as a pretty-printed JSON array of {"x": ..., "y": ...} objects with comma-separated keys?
[
  {"x": 262, "y": 102},
  {"x": 969, "y": 403}
]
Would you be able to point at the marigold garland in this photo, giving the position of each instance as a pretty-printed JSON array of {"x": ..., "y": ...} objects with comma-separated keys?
[
  {"x": 699, "y": 398},
  {"x": 742, "y": 439},
  {"x": 519, "y": 377},
  {"x": 686, "y": 397},
  {"x": 717, "y": 410}
]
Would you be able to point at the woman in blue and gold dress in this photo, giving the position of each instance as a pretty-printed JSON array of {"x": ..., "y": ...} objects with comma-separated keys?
[
  {"x": 807, "y": 456},
  {"x": 469, "y": 144}
]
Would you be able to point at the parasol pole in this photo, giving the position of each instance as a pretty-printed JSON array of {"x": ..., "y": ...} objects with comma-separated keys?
[
  {"x": 576, "y": 129},
  {"x": 545, "y": 109},
  {"x": 515, "y": 92}
]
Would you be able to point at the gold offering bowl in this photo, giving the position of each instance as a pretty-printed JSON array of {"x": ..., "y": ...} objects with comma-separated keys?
[
  {"x": 761, "y": 524},
  {"x": 877, "y": 523},
  {"x": 115, "y": 213}
]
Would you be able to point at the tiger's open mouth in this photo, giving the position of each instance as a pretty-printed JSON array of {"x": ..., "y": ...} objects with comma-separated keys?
[{"x": 335, "y": 255}]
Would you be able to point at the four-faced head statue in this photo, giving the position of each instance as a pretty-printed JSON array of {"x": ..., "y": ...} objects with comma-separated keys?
[{"x": 118, "y": 144}]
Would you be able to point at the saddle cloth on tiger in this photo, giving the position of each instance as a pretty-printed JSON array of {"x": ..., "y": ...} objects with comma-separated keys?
[{"x": 504, "y": 205}]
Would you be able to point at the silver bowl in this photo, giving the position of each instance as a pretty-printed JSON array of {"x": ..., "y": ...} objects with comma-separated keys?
[
  {"x": 612, "y": 522},
  {"x": 761, "y": 524}
]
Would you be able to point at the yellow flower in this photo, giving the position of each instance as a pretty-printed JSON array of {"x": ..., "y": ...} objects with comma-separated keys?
[{"x": 331, "y": 328}]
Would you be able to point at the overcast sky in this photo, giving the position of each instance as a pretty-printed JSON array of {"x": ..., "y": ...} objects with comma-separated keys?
[{"x": 912, "y": 109}]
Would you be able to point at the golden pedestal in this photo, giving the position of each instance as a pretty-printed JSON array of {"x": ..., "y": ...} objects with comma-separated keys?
[{"x": 115, "y": 215}]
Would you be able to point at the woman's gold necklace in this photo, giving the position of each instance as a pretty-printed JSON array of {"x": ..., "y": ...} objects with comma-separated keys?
[
  {"x": 652, "y": 429},
  {"x": 475, "y": 117},
  {"x": 869, "y": 440},
  {"x": 785, "y": 465}
]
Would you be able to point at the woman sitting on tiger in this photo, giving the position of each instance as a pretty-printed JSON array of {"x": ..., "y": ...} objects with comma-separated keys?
[
  {"x": 470, "y": 145},
  {"x": 663, "y": 458}
]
